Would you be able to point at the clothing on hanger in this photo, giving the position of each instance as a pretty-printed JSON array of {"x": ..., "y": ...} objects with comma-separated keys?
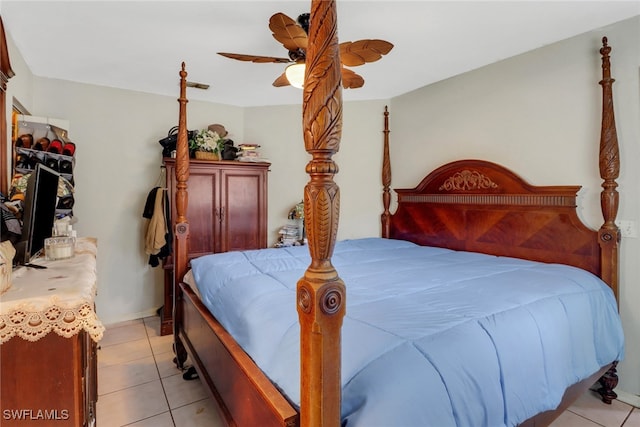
[{"x": 158, "y": 237}]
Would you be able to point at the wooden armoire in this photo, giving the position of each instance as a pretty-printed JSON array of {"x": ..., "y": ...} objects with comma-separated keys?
[{"x": 227, "y": 212}]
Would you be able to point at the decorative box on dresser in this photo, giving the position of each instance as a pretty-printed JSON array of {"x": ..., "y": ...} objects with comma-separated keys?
[
  {"x": 48, "y": 340},
  {"x": 230, "y": 194}
]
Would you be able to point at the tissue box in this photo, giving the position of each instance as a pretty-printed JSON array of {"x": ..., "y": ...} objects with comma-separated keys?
[{"x": 7, "y": 252}]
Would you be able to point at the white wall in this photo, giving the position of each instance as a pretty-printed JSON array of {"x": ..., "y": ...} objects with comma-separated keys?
[
  {"x": 539, "y": 115},
  {"x": 279, "y": 130},
  {"x": 21, "y": 84}
]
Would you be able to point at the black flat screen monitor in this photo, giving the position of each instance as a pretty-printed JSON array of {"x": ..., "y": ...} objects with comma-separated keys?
[{"x": 39, "y": 213}]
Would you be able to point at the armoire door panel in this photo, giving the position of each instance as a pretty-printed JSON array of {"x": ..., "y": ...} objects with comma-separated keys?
[
  {"x": 203, "y": 212},
  {"x": 243, "y": 193}
]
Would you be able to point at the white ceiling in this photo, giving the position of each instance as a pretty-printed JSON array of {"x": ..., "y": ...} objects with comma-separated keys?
[{"x": 139, "y": 45}]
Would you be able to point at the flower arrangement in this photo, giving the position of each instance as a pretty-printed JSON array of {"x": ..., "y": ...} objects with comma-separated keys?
[{"x": 206, "y": 140}]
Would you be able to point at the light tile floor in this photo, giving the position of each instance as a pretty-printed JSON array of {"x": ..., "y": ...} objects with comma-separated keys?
[{"x": 140, "y": 386}]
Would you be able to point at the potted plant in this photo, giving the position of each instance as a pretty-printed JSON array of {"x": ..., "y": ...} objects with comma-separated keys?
[{"x": 206, "y": 144}]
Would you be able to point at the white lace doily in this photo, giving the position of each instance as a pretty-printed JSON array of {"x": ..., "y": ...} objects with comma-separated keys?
[
  {"x": 57, "y": 299},
  {"x": 66, "y": 322}
]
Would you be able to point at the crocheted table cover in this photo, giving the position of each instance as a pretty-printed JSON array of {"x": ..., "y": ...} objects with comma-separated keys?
[{"x": 59, "y": 298}]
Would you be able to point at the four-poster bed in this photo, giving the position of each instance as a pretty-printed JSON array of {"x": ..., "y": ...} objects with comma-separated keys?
[{"x": 469, "y": 205}]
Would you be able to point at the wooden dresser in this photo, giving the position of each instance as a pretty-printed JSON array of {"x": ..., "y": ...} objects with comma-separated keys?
[
  {"x": 48, "y": 339},
  {"x": 232, "y": 195}
]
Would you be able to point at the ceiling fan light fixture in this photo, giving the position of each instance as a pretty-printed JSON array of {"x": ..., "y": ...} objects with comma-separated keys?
[
  {"x": 293, "y": 36},
  {"x": 295, "y": 74}
]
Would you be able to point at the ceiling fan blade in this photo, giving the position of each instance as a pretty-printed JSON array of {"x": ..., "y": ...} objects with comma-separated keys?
[
  {"x": 351, "y": 80},
  {"x": 281, "y": 81},
  {"x": 363, "y": 51},
  {"x": 288, "y": 32},
  {"x": 255, "y": 58}
]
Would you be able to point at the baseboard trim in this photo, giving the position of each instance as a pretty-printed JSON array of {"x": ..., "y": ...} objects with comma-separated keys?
[
  {"x": 131, "y": 316},
  {"x": 628, "y": 398}
]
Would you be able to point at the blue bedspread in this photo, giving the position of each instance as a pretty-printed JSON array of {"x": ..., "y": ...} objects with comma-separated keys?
[{"x": 431, "y": 337}]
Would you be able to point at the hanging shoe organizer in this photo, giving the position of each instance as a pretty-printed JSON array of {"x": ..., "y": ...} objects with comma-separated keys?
[{"x": 45, "y": 140}]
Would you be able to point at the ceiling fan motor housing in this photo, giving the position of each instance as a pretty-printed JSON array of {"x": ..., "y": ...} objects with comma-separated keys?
[
  {"x": 303, "y": 21},
  {"x": 297, "y": 55}
]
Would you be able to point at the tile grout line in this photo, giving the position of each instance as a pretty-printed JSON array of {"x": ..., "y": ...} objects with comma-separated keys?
[
  {"x": 128, "y": 361},
  {"x": 627, "y": 417},
  {"x": 162, "y": 383},
  {"x": 588, "y": 419},
  {"x": 155, "y": 361}
]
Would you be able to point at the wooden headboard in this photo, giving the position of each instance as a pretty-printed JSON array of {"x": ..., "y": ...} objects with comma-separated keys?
[{"x": 479, "y": 206}]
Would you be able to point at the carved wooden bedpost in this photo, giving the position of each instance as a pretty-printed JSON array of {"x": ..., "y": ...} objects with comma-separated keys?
[
  {"x": 181, "y": 226},
  {"x": 320, "y": 292},
  {"x": 609, "y": 233},
  {"x": 386, "y": 178}
]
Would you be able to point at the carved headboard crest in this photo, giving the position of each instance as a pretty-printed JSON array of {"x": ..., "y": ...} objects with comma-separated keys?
[{"x": 467, "y": 180}]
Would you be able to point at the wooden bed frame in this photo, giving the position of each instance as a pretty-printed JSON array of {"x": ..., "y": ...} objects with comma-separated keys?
[{"x": 471, "y": 205}]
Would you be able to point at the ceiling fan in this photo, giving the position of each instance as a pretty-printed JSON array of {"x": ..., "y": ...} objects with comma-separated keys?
[{"x": 293, "y": 36}]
